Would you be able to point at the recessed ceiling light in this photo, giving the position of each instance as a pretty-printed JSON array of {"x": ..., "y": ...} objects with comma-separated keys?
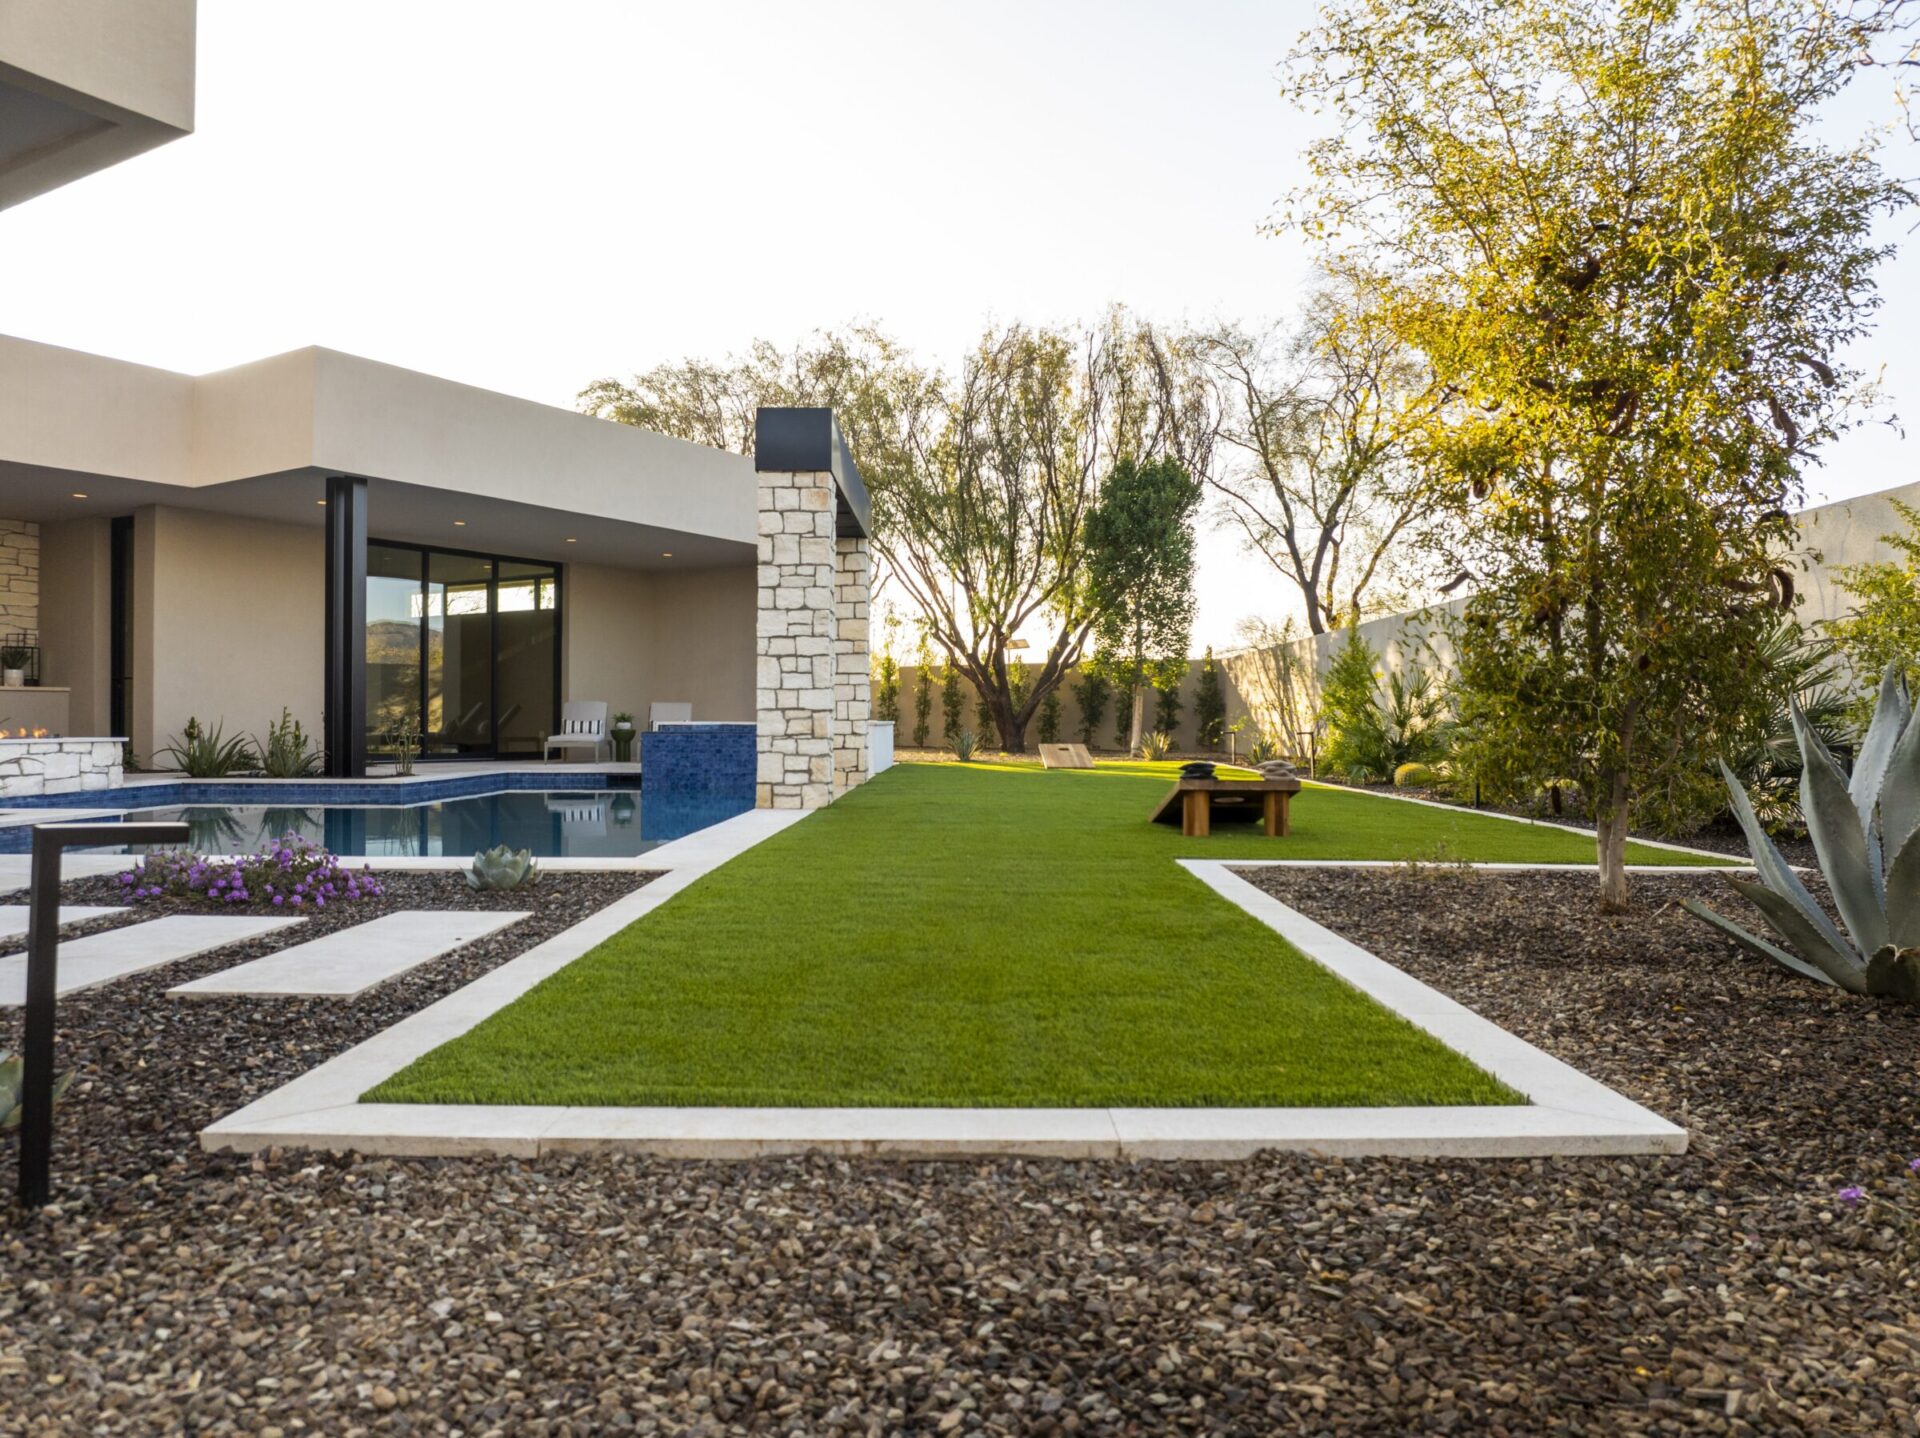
[
  {"x": 78, "y": 495},
  {"x": 459, "y": 524},
  {"x": 321, "y": 502},
  {"x": 666, "y": 554},
  {"x": 573, "y": 541}
]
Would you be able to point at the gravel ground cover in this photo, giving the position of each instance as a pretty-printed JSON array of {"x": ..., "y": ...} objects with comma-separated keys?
[{"x": 1721, "y": 1292}]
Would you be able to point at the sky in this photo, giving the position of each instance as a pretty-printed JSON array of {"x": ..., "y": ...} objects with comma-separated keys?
[{"x": 530, "y": 197}]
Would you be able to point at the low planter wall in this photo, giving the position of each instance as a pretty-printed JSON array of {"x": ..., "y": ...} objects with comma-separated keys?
[
  {"x": 879, "y": 746},
  {"x": 58, "y": 766}
]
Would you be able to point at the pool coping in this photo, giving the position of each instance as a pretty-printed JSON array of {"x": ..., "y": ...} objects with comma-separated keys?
[{"x": 1568, "y": 1113}]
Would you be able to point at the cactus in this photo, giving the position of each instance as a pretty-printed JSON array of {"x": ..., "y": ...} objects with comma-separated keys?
[
  {"x": 503, "y": 868},
  {"x": 1866, "y": 832},
  {"x": 13, "y": 1084}
]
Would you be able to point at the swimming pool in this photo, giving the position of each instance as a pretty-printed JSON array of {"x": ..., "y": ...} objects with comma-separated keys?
[{"x": 553, "y": 823}]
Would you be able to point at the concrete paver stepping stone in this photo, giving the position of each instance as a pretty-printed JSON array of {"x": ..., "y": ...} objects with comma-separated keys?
[
  {"x": 102, "y": 958},
  {"x": 348, "y": 962},
  {"x": 13, "y": 917}
]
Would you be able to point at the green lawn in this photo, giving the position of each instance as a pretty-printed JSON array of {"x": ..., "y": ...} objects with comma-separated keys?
[{"x": 987, "y": 934}]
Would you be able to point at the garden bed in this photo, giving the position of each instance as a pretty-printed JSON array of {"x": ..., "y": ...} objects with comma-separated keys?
[
  {"x": 1723, "y": 1292},
  {"x": 154, "y": 1070}
]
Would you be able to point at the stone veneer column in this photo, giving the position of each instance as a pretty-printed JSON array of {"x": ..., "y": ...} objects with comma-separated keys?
[
  {"x": 19, "y": 576},
  {"x": 852, "y": 684},
  {"x": 795, "y": 642}
]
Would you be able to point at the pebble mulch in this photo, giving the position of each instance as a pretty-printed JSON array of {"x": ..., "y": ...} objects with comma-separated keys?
[{"x": 1723, "y": 1292}]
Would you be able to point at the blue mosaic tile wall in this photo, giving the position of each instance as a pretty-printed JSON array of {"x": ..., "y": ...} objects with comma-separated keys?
[{"x": 716, "y": 759}]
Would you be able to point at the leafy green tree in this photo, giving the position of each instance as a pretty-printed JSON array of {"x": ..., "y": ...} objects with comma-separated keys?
[
  {"x": 1883, "y": 626},
  {"x": 1140, "y": 542},
  {"x": 1091, "y": 694},
  {"x": 952, "y": 702},
  {"x": 1209, "y": 702},
  {"x": 1050, "y": 718},
  {"x": 1347, "y": 702},
  {"x": 1167, "y": 677},
  {"x": 1632, "y": 268},
  {"x": 922, "y": 690}
]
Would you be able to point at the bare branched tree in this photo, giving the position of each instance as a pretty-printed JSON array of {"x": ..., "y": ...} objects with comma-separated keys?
[{"x": 1315, "y": 472}]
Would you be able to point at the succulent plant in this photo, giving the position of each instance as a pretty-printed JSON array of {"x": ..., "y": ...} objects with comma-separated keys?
[
  {"x": 503, "y": 868},
  {"x": 964, "y": 744},
  {"x": 1866, "y": 832},
  {"x": 13, "y": 1086},
  {"x": 1156, "y": 745}
]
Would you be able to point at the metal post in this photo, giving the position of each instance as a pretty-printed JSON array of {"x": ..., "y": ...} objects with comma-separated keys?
[
  {"x": 345, "y": 720},
  {"x": 43, "y": 932}
]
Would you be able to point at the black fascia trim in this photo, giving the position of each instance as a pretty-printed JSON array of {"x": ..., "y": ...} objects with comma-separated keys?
[{"x": 796, "y": 440}]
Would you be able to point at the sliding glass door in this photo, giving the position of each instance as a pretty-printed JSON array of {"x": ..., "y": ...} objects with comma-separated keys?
[{"x": 462, "y": 652}]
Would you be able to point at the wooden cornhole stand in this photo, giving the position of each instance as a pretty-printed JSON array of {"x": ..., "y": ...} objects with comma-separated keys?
[
  {"x": 1065, "y": 756},
  {"x": 1195, "y": 803}
]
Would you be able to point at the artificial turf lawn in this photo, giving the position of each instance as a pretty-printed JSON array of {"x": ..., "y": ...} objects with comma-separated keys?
[{"x": 984, "y": 935}]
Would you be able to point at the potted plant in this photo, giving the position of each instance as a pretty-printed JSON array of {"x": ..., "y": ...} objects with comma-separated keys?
[
  {"x": 621, "y": 731},
  {"x": 13, "y": 665}
]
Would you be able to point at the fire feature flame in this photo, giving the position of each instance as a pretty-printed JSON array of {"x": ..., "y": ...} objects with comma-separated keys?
[{"x": 24, "y": 733}]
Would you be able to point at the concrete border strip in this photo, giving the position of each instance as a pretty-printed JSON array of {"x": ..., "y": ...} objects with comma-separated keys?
[{"x": 1569, "y": 1112}]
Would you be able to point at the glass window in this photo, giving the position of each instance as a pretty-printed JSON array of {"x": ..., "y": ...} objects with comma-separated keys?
[
  {"x": 459, "y": 622},
  {"x": 393, "y": 644}
]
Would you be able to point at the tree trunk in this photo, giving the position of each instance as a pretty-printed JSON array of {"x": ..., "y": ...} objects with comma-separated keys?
[
  {"x": 1138, "y": 725},
  {"x": 1013, "y": 733},
  {"x": 1610, "y": 834}
]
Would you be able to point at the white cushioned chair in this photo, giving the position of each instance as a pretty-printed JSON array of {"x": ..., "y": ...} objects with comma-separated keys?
[{"x": 583, "y": 725}]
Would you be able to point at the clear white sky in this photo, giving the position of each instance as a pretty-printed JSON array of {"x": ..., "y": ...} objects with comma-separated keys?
[{"x": 529, "y": 196}]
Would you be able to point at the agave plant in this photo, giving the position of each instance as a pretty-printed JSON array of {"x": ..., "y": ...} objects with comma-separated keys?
[
  {"x": 503, "y": 868},
  {"x": 1156, "y": 745},
  {"x": 13, "y": 1084},
  {"x": 1864, "y": 832},
  {"x": 964, "y": 744}
]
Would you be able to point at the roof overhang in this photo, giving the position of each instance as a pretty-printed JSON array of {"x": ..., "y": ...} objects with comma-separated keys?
[
  {"x": 808, "y": 441},
  {"x": 85, "y": 84}
]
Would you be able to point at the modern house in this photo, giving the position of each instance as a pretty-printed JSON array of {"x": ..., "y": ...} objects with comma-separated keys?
[{"x": 377, "y": 551}]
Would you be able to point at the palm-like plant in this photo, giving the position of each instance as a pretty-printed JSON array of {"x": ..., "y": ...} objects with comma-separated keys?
[{"x": 1866, "y": 832}]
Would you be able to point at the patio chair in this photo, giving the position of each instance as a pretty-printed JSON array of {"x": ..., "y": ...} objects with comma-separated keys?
[
  {"x": 583, "y": 725},
  {"x": 658, "y": 714}
]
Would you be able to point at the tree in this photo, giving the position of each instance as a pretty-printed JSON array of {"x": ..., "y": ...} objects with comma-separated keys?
[
  {"x": 1317, "y": 473},
  {"x": 1091, "y": 692},
  {"x": 1884, "y": 624},
  {"x": 886, "y": 690},
  {"x": 982, "y": 483},
  {"x": 1140, "y": 573},
  {"x": 1209, "y": 702},
  {"x": 988, "y": 532},
  {"x": 952, "y": 704},
  {"x": 1630, "y": 267},
  {"x": 1050, "y": 718},
  {"x": 1167, "y": 677},
  {"x": 922, "y": 689}
]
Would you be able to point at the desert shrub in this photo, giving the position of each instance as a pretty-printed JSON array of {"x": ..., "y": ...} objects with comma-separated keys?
[
  {"x": 964, "y": 745},
  {"x": 1156, "y": 744},
  {"x": 202, "y": 755}
]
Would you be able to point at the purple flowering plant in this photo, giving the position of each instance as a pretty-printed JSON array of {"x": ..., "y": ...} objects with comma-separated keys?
[{"x": 290, "y": 873}]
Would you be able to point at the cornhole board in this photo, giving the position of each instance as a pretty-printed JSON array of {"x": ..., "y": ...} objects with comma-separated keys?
[
  {"x": 1197, "y": 804},
  {"x": 1065, "y": 756}
]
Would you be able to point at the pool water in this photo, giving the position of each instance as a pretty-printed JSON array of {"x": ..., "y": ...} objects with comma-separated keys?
[{"x": 554, "y": 824}]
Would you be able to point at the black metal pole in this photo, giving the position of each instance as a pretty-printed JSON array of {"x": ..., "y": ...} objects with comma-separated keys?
[
  {"x": 344, "y": 724},
  {"x": 43, "y": 932},
  {"x": 36, "y": 1098}
]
